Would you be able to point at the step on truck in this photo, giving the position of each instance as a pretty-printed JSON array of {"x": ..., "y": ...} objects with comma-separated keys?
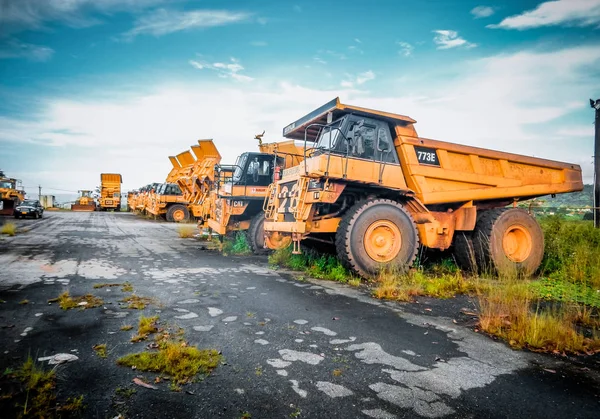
[
  {"x": 376, "y": 191},
  {"x": 110, "y": 192},
  {"x": 240, "y": 189}
]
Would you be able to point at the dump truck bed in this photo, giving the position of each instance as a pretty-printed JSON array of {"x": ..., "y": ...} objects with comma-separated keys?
[{"x": 440, "y": 172}]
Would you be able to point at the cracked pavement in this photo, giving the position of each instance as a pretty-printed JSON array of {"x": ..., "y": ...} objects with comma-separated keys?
[{"x": 291, "y": 348}]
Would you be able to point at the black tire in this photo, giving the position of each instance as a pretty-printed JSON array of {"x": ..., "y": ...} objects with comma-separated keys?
[
  {"x": 256, "y": 234},
  {"x": 464, "y": 251},
  {"x": 17, "y": 216},
  {"x": 508, "y": 241},
  {"x": 176, "y": 208},
  {"x": 350, "y": 237}
]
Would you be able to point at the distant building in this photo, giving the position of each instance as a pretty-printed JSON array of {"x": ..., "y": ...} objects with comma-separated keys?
[{"x": 48, "y": 201}]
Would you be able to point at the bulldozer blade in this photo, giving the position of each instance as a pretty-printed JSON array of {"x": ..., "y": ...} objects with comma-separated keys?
[{"x": 83, "y": 208}]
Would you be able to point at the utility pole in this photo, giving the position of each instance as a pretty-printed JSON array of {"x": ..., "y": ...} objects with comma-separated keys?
[
  {"x": 596, "y": 106},
  {"x": 40, "y": 193}
]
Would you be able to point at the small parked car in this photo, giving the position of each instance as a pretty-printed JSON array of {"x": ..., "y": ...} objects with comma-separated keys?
[{"x": 29, "y": 208}]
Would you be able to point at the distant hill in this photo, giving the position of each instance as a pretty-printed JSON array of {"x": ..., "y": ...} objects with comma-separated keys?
[{"x": 581, "y": 199}]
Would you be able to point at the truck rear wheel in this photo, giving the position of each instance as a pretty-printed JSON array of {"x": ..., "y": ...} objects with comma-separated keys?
[
  {"x": 509, "y": 241},
  {"x": 256, "y": 233},
  {"x": 377, "y": 233},
  {"x": 178, "y": 213}
]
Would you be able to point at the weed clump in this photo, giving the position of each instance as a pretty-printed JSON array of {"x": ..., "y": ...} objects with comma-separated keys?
[
  {"x": 127, "y": 287},
  {"x": 186, "y": 231},
  {"x": 32, "y": 394},
  {"x": 96, "y": 286},
  {"x": 312, "y": 263},
  {"x": 9, "y": 229},
  {"x": 238, "y": 246},
  {"x": 126, "y": 327},
  {"x": 175, "y": 359},
  {"x": 135, "y": 302},
  {"x": 146, "y": 326},
  {"x": 66, "y": 302},
  {"x": 100, "y": 350}
]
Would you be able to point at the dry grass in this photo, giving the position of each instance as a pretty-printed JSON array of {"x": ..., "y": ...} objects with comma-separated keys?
[
  {"x": 127, "y": 287},
  {"x": 187, "y": 231},
  {"x": 511, "y": 312},
  {"x": 96, "y": 286},
  {"x": 9, "y": 229},
  {"x": 23, "y": 302},
  {"x": 393, "y": 285},
  {"x": 66, "y": 302},
  {"x": 135, "y": 302},
  {"x": 126, "y": 327}
]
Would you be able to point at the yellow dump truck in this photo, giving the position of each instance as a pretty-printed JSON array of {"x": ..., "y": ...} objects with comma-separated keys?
[
  {"x": 11, "y": 194},
  {"x": 110, "y": 192},
  {"x": 85, "y": 202},
  {"x": 196, "y": 176},
  {"x": 240, "y": 189},
  {"x": 166, "y": 201},
  {"x": 377, "y": 191}
]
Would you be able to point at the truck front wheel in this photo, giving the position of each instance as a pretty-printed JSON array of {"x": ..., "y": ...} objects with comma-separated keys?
[
  {"x": 178, "y": 213},
  {"x": 375, "y": 234},
  {"x": 509, "y": 241},
  {"x": 256, "y": 233}
]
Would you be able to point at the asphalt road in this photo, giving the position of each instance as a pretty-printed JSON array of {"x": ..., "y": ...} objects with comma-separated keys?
[{"x": 292, "y": 348}]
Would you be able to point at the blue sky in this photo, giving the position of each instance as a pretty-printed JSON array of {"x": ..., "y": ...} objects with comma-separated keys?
[{"x": 91, "y": 86}]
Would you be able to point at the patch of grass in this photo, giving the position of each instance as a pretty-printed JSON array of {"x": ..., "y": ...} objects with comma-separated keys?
[
  {"x": 135, "y": 302},
  {"x": 23, "y": 302},
  {"x": 106, "y": 285},
  {"x": 566, "y": 291},
  {"x": 175, "y": 359},
  {"x": 173, "y": 386},
  {"x": 126, "y": 327},
  {"x": 127, "y": 287},
  {"x": 400, "y": 286},
  {"x": 125, "y": 392},
  {"x": 238, "y": 246},
  {"x": 510, "y": 311},
  {"x": 337, "y": 372},
  {"x": 258, "y": 371},
  {"x": 100, "y": 350},
  {"x": 32, "y": 394},
  {"x": 9, "y": 229},
  {"x": 66, "y": 302},
  {"x": 186, "y": 231},
  {"x": 146, "y": 326},
  {"x": 355, "y": 282},
  {"x": 312, "y": 263}
]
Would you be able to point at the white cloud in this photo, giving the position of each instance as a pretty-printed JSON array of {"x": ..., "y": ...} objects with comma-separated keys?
[
  {"x": 359, "y": 79},
  {"x": 13, "y": 48},
  {"x": 224, "y": 70},
  {"x": 406, "y": 49},
  {"x": 446, "y": 39},
  {"x": 162, "y": 21},
  {"x": 555, "y": 13},
  {"x": 482, "y": 11},
  {"x": 34, "y": 14},
  {"x": 358, "y": 41},
  {"x": 511, "y": 102}
]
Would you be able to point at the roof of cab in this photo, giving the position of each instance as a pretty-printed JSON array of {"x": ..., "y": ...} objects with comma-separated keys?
[{"x": 296, "y": 130}]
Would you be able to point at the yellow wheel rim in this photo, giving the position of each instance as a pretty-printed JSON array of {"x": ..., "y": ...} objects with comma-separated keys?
[
  {"x": 383, "y": 241},
  {"x": 517, "y": 243},
  {"x": 178, "y": 215},
  {"x": 275, "y": 240}
]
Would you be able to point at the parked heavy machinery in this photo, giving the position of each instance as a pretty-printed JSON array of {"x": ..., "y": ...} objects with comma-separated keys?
[
  {"x": 85, "y": 202},
  {"x": 142, "y": 199},
  {"x": 131, "y": 197},
  {"x": 166, "y": 202},
  {"x": 240, "y": 189},
  {"x": 110, "y": 192},
  {"x": 376, "y": 191},
  {"x": 196, "y": 176},
  {"x": 11, "y": 194}
]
